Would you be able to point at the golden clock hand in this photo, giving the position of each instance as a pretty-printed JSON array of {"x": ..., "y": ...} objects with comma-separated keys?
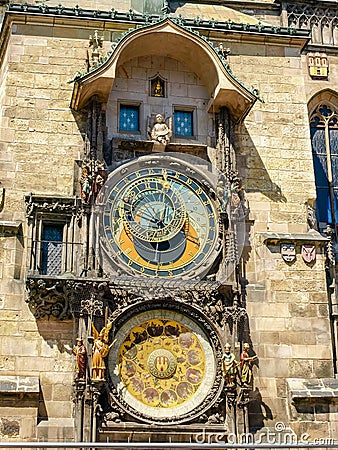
[{"x": 193, "y": 239}]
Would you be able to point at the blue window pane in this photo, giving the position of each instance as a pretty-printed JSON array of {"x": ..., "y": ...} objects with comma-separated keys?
[
  {"x": 318, "y": 140},
  {"x": 335, "y": 195},
  {"x": 333, "y": 133},
  {"x": 129, "y": 118},
  {"x": 320, "y": 167},
  {"x": 323, "y": 206},
  {"x": 183, "y": 123},
  {"x": 334, "y": 161},
  {"x": 51, "y": 250}
]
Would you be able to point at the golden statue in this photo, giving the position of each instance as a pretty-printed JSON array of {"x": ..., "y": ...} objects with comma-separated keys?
[
  {"x": 158, "y": 91},
  {"x": 100, "y": 351}
]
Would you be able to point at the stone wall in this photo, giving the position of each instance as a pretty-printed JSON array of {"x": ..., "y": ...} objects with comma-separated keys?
[{"x": 40, "y": 140}]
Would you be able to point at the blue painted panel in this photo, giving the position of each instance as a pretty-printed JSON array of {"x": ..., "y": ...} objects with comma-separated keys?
[
  {"x": 183, "y": 123},
  {"x": 129, "y": 118}
]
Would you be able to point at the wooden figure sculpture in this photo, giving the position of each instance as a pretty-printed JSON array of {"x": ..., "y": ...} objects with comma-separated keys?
[
  {"x": 80, "y": 351},
  {"x": 246, "y": 366},
  {"x": 100, "y": 351},
  {"x": 229, "y": 367}
]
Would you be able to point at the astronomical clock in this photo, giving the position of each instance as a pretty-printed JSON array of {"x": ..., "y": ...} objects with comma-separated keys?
[
  {"x": 159, "y": 219},
  {"x": 165, "y": 227}
]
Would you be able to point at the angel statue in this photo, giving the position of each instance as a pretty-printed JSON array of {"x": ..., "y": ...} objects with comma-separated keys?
[
  {"x": 100, "y": 351},
  {"x": 160, "y": 131}
]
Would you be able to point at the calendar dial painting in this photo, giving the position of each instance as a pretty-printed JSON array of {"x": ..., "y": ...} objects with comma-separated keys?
[{"x": 162, "y": 364}]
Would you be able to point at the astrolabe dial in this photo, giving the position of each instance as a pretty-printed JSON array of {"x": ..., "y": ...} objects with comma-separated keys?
[
  {"x": 152, "y": 209},
  {"x": 157, "y": 220}
]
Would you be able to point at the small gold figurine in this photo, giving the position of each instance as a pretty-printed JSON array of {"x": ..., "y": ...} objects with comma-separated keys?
[{"x": 100, "y": 351}]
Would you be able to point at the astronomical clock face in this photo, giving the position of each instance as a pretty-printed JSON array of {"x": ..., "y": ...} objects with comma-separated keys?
[
  {"x": 158, "y": 220},
  {"x": 162, "y": 365}
]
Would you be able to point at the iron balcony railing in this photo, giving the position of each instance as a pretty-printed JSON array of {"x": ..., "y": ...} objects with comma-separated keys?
[{"x": 56, "y": 257}]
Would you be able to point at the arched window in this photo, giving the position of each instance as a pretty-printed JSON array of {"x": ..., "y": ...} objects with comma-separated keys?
[{"x": 324, "y": 138}]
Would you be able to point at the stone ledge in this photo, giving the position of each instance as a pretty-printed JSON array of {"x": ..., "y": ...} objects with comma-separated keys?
[
  {"x": 314, "y": 388},
  {"x": 10, "y": 227},
  {"x": 313, "y": 236},
  {"x": 19, "y": 384}
]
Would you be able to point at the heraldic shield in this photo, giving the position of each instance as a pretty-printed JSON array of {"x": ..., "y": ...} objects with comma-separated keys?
[
  {"x": 288, "y": 252},
  {"x": 309, "y": 253}
]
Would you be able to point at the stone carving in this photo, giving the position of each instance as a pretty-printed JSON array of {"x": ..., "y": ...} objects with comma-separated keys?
[
  {"x": 234, "y": 315},
  {"x": 246, "y": 366},
  {"x": 49, "y": 299},
  {"x": 321, "y": 20},
  {"x": 222, "y": 192},
  {"x": 95, "y": 51},
  {"x": 92, "y": 306},
  {"x": 80, "y": 351},
  {"x": 225, "y": 52},
  {"x": 56, "y": 205},
  {"x": 116, "y": 413},
  {"x": 243, "y": 397},
  {"x": 311, "y": 217},
  {"x": 229, "y": 368},
  {"x": 330, "y": 251},
  {"x": 161, "y": 132},
  {"x": 100, "y": 351}
]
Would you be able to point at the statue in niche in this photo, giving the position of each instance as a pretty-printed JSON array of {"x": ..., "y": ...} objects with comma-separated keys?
[
  {"x": 157, "y": 87},
  {"x": 229, "y": 367},
  {"x": 246, "y": 366},
  {"x": 100, "y": 351},
  {"x": 161, "y": 132},
  {"x": 80, "y": 351}
]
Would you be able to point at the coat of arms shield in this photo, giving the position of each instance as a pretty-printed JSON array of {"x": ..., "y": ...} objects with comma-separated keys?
[
  {"x": 288, "y": 252},
  {"x": 308, "y": 253}
]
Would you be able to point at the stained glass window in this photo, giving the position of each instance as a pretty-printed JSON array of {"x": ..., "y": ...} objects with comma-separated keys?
[
  {"x": 129, "y": 118},
  {"x": 183, "y": 123},
  {"x": 51, "y": 250},
  {"x": 324, "y": 138}
]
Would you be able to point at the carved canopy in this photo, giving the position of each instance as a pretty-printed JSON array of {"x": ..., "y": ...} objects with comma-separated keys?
[{"x": 169, "y": 39}]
